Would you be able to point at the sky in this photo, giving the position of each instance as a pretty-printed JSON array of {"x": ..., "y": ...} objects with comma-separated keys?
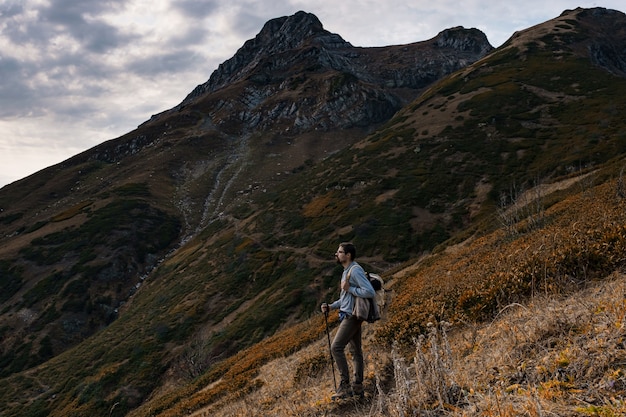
[{"x": 76, "y": 73}]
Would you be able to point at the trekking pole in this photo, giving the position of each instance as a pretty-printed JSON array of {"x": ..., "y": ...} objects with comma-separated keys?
[{"x": 330, "y": 350}]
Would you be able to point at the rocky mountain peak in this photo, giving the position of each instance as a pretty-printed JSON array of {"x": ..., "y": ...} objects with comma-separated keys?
[
  {"x": 278, "y": 36},
  {"x": 461, "y": 39},
  {"x": 296, "y": 76},
  {"x": 597, "y": 34},
  {"x": 289, "y": 32},
  {"x": 607, "y": 45}
]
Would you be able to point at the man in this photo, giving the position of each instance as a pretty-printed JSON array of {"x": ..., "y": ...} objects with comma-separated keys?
[{"x": 354, "y": 283}]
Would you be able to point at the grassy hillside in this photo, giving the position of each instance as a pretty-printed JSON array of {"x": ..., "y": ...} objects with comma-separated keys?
[
  {"x": 550, "y": 356},
  {"x": 552, "y": 338}
]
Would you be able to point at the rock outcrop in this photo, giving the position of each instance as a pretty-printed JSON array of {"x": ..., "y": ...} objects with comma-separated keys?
[{"x": 296, "y": 76}]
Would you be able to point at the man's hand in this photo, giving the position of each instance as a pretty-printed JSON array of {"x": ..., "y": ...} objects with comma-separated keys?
[{"x": 325, "y": 308}]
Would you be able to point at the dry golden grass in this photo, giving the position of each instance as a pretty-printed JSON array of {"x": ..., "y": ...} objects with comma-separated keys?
[
  {"x": 550, "y": 357},
  {"x": 301, "y": 385},
  {"x": 580, "y": 239}
]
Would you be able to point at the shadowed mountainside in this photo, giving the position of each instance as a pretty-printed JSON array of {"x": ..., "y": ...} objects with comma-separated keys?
[
  {"x": 163, "y": 253},
  {"x": 80, "y": 237}
]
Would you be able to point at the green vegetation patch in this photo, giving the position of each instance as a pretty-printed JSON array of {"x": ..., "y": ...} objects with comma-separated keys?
[
  {"x": 11, "y": 280},
  {"x": 131, "y": 223},
  {"x": 10, "y": 218}
]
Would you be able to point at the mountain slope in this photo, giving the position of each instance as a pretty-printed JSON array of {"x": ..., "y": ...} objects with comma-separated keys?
[
  {"x": 553, "y": 345},
  {"x": 80, "y": 238},
  {"x": 251, "y": 212},
  {"x": 385, "y": 155}
]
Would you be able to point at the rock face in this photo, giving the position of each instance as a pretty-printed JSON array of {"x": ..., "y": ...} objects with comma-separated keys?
[
  {"x": 596, "y": 34},
  {"x": 278, "y": 36},
  {"x": 607, "y": 49},
  {"x": 296, "y": 76}
]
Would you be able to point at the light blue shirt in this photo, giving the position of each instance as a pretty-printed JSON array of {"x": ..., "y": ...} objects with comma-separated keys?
[{"x": 359, "y": 287}]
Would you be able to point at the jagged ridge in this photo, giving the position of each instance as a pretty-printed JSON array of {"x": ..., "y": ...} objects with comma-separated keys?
[
  {"x": 278, "y": 35},
  {"x": 293, "y": 59}
]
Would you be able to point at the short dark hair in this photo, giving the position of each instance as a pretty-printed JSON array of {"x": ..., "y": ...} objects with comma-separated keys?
[{"x": 349, "y": 248}]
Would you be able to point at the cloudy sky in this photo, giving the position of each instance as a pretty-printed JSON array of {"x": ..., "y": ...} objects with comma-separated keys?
[{"x": 75, "y": 73}]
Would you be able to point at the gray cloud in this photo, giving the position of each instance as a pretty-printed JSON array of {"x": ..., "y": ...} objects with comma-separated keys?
[
  {"x": 8, "y": 10},
  {"x": 172, "y": 62},
  {"x": 15, "y": 94},
  {"x": 197, "y": 9},
  {"x": 74, "y": 12},
  {"x": 248, "y": 22},
  {"x": 80, "y": 20},
  {"x": 191, "y": 36}
]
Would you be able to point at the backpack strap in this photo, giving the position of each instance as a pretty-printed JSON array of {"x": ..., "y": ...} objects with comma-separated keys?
[
  {"x": 349, "y": 271},
  {"x": 348, "y": 277}
]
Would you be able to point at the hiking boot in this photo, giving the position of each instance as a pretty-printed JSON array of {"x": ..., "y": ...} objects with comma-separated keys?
[
  {"x": 343, "y": 391},
  {"x": 357, "y": 391}
]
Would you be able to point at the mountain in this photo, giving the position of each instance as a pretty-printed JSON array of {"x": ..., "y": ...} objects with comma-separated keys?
[
  {"x": 155, "y": 259},
  {"x": 80, "y": 237}
]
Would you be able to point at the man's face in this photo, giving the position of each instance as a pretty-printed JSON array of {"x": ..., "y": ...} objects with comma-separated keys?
[{"x": 341, "y": 256}]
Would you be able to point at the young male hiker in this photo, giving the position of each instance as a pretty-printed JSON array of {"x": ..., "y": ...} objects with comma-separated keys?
[{"x": 354, "y": 283}]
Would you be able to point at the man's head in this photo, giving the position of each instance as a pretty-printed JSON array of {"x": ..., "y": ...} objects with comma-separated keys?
[{"x": 346, "y": 253}]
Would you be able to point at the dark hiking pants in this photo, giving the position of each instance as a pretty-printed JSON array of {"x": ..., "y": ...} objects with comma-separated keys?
[{"x": 349, "y": 332}]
